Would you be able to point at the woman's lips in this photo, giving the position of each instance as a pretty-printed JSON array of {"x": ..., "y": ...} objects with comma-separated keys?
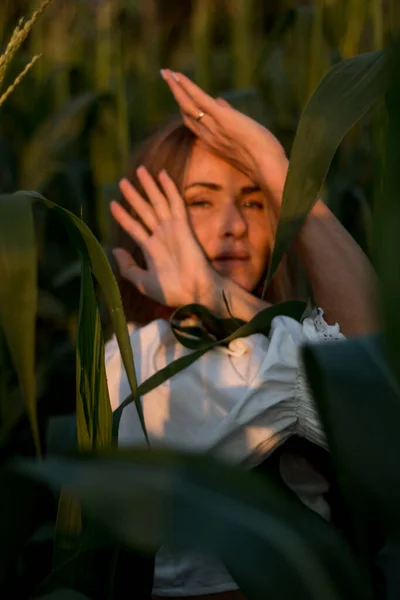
[
  {"x": 232, "y": 256},
  {"x": 230, "y": 260}
]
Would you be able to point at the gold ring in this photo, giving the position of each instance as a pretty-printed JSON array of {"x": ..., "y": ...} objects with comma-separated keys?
[{"x": 200, "y": 115}]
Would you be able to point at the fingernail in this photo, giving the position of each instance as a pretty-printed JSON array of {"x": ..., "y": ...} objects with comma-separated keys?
[
  {"x": 175, "y": 76},
  {"x": 164, "y": 74}
]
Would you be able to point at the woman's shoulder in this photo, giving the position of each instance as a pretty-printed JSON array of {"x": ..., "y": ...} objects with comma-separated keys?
[{"x": 313, "y": 328}]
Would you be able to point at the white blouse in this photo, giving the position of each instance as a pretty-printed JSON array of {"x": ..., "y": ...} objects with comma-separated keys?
[{"x": 239, "y": 403}]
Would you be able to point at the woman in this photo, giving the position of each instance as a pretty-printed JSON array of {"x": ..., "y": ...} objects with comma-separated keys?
[{"x": 199, "y": 215}]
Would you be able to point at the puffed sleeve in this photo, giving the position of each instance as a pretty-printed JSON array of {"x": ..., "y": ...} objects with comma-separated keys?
[
  {"x": 238, "y": 402},
  {"x": 314, "y": 329}
]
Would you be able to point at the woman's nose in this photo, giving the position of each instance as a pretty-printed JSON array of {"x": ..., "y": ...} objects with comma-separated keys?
[{"x": 233, "y": 222}]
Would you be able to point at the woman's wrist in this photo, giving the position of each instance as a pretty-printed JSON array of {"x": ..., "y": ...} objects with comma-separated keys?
[
  {"x": 242, "y": 304},
  {"x": 271, "y": 176}
]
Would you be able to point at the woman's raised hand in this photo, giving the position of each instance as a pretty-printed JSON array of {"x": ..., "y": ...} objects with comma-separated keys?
[
  {"x": 229, "y": 133},
  {"x": 178, "y": 272}
]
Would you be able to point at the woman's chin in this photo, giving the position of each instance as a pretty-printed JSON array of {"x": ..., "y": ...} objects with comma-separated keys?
[{"x": 240, "y": 279}]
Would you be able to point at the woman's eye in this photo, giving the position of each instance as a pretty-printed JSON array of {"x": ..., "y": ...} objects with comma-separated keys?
[
  {"x": 201, "y": 202},
  {"x": 258, "y": 204}
]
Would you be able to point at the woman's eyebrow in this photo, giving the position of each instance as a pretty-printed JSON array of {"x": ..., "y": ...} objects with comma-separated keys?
[
  {"x": 250, "y": 189},
  {"x": 206, "y": 184}
]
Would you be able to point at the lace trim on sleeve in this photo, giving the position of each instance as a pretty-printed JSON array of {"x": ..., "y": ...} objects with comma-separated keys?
[
  {"x": 308, "y": 423},
  {"x": 321, "y": 330}
]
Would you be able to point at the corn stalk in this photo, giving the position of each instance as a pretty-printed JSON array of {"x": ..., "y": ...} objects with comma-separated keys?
[
  {"x": 319, "y": 53},
  {"x": 151, "y": 63},
  {"x": 201, "y": 28},
  {"x": 356, "y": 19},
  {"x": 243, "y": 47}
]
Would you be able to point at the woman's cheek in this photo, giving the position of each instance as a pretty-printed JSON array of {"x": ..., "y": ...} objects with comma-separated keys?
[{"x": 203, "y": 231}]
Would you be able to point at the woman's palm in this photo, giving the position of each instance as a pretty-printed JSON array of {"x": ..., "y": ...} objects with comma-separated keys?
[{"x": 178, "y": 272}]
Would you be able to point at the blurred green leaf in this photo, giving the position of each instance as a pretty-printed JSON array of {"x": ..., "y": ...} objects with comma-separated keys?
[
  {"x": 68, "y": 531},
  {"x": 359, "y": 402},
  {"x": 42, "y": 156},
  {"x": 24, "y": 506},
  {"x": 249, "y": 102},
  {"x": 49, "y": 307},
  {"x": 386, "y": 222},
  {"x": 153, "y": 497},
  {"x": 62, "y": 595},
  {"x": 73, "y": 271},
  {"x": 345, "y": 94},
  {"x": 18, "y": 296}
]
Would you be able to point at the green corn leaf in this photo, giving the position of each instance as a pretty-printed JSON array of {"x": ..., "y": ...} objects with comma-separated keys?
[
  {"x": 18, "y": 296},
  {"x": 343, "y": 96},
  {"x": 227, "y": 330},
  {"x": 86, "y": 243},
  {"x": 152, "y": 497},
  {"x": 93, "y": 410},
  {"x": 94, "y": 415}
]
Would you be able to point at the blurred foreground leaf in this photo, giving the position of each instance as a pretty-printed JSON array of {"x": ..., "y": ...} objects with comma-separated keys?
[
  {"x": 63, "y": 595},
  {"x": 387, "y": 218},
  {"x": 43, "y": 155},
  {"x": 18, "y": 296},
  {"x": 359, "y": 402},
  {"x": 24, "y": 506},
  {"x": 150, "y": 497}
]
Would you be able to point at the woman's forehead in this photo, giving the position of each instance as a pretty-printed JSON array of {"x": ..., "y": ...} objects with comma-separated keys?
[{"x": 206, "y": 166}]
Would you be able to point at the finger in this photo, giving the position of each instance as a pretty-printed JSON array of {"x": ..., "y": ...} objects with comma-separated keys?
[
  {"x": 142, "y": 208},
  {"x": 188, "y": 107},
  {"x": 156, "y": 197},
  {"x": 176, "y": 201},
  {"x": 223, "y": 102},
  {"x": 195, "y": 126},
  {"x": 184, "y": 101},
  {"x": 129, "y": 224},
  {"x": 181, "y": 84},
  {"x": 129, "y": 269}
]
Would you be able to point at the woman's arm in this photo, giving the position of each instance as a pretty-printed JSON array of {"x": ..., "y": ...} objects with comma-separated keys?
[{"x": 340, "y": 274}]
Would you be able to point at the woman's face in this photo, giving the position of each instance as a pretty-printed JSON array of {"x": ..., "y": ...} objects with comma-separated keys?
[{"x": 230, "y": 217}]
